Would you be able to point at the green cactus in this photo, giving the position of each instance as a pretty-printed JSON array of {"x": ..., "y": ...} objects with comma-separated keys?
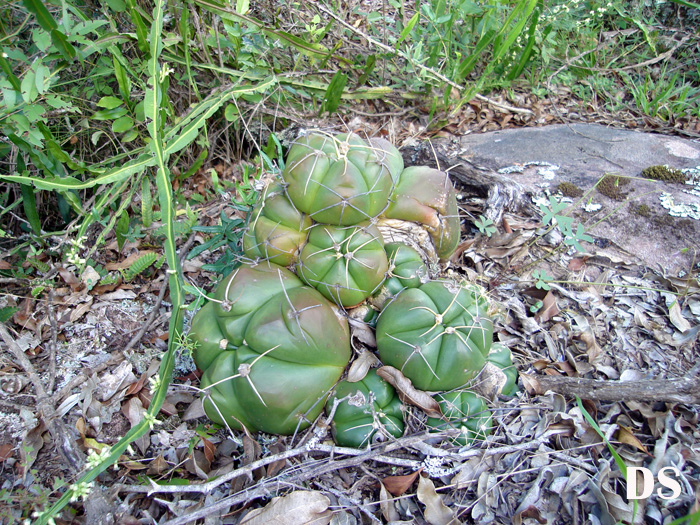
[
  {"x": 501, "y": 356},
  {"x": 341, "y": 180},
  {"x": 438, "y": 334},
  {"x": 270, "y": 349},
  {"x": 427, "y": 196},
  {"x": 373, "y": 406},
  {"x": 406, "y": 268},
  {"x": 277, "y": 230},
  {"x": 466, "y": 412},
  {"x": 346, "y": 264}
]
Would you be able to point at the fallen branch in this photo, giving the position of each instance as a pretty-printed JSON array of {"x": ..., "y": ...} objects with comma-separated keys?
[{"x": 685, "y": 390}]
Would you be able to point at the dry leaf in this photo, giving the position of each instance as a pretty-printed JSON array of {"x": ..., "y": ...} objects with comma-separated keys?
[
  {"x": 32, "y": 443},
  {"x": 5, "y": 448},
  {"x": 301, "y": 507},
  {"x": 531, "y": 384},
  {"x": 549, "y": 308},
  {"x": 626, "y": 436},
  {"x": 194, "y": 411},
  {"x": 436, "y": 512},
  {"x": 134, "y": 412},
  {"x": 360, "y": 366},
  {"x": 90, "y": 277},
  {"x": 111, "y": 383},
  {"x": 593, "y": 350},
  {"x": 490, "y": 382},
  {"x": 398, "y": 485},
  {"x": 118, "y": 295},
  {"x": 197, "y": 464},
  {"x": 209, "y": 449},
  {"x": 677, "y": 318},
  {"x": 577, "y": 264},
  {"x": 408, "y": 393},
  {"x": 386, "y": 504},
  {"x": 157, "y": 466},
  {"x": 276, "y": 467}
]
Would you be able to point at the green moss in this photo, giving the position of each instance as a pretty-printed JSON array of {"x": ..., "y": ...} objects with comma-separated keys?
[
  {"x": 611, "y": 187},
  {"x": 569, "y": 189},
  {"x": 641, "y": 209},
  {"x": 664, "y": 173}
]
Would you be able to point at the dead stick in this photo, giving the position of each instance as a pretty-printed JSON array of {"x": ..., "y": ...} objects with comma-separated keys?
[{"x": 684, "y": 390}]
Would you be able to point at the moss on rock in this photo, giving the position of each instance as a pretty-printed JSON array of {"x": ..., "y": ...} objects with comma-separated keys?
[
  {"x": 664, "y": 173},
  {"x": 611, "y": 187},
  {"x": 569, "y": 189}
]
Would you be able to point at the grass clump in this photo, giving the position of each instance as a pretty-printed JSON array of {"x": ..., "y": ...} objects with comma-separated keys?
[
  {"x": 664, "y": 173},
  {"x": 611, "y": 187},
  {"x": 569, "y": 189}
]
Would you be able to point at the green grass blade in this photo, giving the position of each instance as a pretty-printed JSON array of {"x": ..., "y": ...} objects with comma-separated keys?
[
  {"x": 139, "y": 24},
  {"x": 685, "y": 3},
  {"x": 407, "y": 30},
  {"x": 71, "y": 183},
  {"x": 331, "y": 100},
  {"x": 30, "y": 211}
]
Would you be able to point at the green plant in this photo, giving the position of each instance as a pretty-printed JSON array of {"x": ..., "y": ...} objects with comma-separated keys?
[
  {"x": 541, "y": 279},
  {"x": 341, "y": 180},
  {"x": 426, "y": 196},
  {"x": 346, "y": 264},
  {"x": 365, "y": 408},
  {"x": 270, "y": 348},
  {"x": 552, "y": 213},
  {"x": 501, "y": 356},
  {"x": 406, "y": 270},
  {"x": 485, "y": 226},
  {"x": 438, "y": 334},
  {"x": 277, "y": 230},
  {"x": 465, "y": 411}
]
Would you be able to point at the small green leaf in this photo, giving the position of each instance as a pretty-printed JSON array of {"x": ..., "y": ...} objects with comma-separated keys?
[
  {"x": 7, "y": 312},
  {"x": 242, "y": 6},
  {"x": 122, "y": 124},
  {"x": 110, "y": 102},
  {"x": 331, "y": 100},
  {"x": 407, "y": 30},
  {"x": 121, "y": 229},
  {"x": 122, "y": 79},
  {"x": 95, "y": 137},
  {"x": 231, "y": 112},
  {"x": 146, "y": 203},
  {"x": 110, "y": 114},
  {"x": 141, "y": 30},
  {"x": 29, "y": 90},
  {"x": 117, "y": 5},
  {"x": 130, "y": 136}
]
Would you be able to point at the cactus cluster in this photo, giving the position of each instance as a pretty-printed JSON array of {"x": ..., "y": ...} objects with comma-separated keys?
[{"x": 346, "y": 226}]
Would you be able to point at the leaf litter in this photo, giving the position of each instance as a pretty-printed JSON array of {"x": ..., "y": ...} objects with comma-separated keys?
[{"x": 603, "y": 317}]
